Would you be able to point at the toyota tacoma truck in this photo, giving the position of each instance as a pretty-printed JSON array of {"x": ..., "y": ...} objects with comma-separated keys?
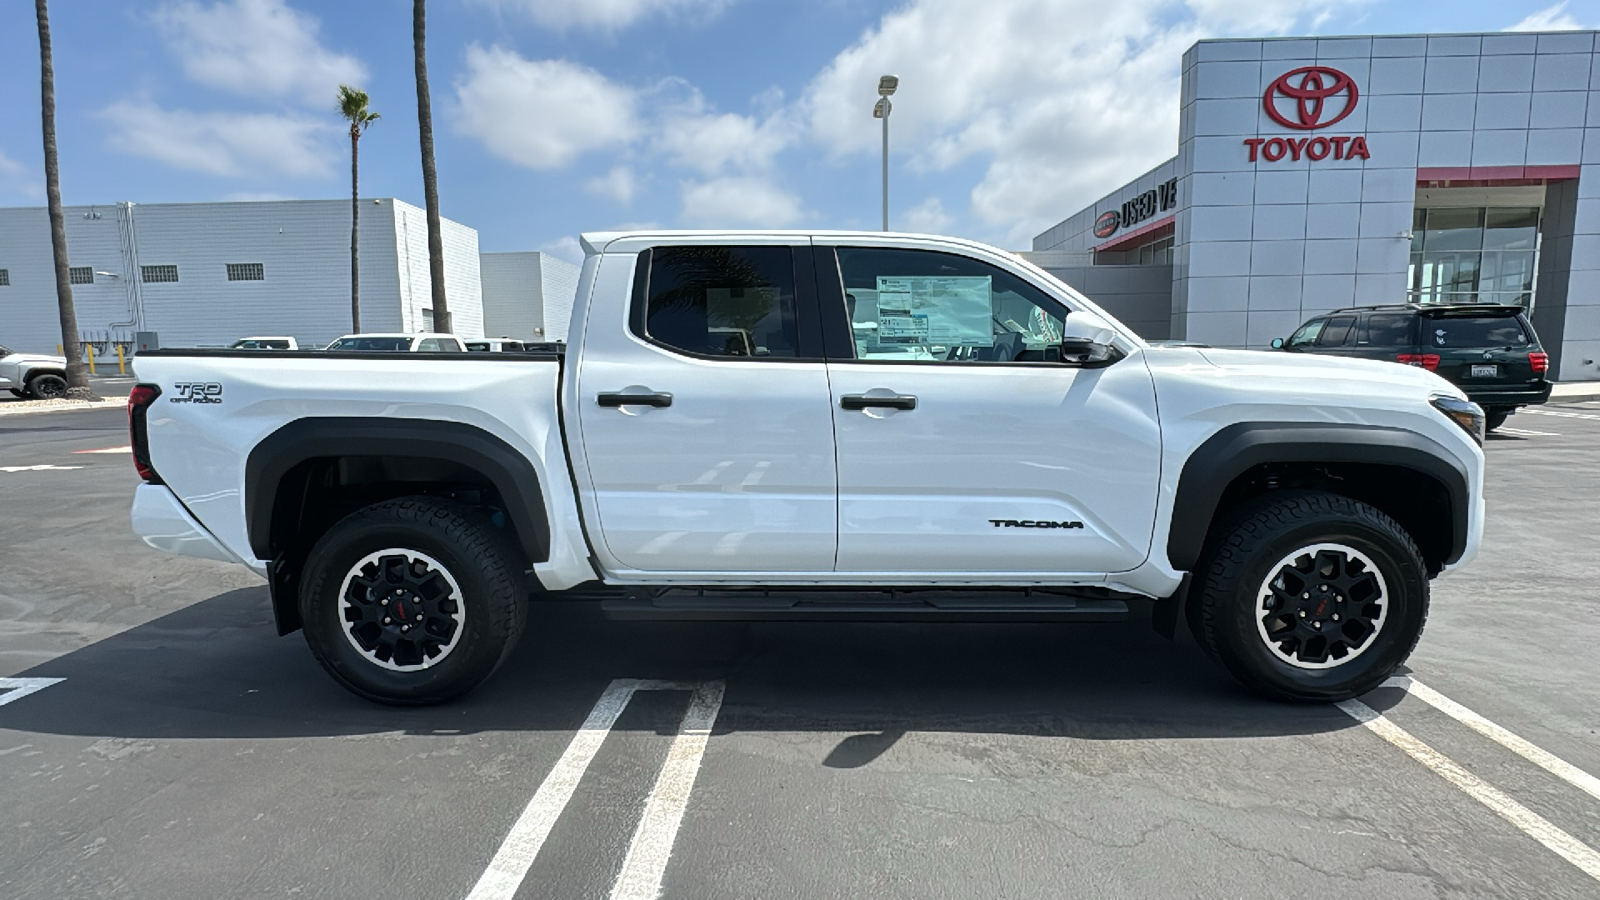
[{"x": 817, "y": 426}]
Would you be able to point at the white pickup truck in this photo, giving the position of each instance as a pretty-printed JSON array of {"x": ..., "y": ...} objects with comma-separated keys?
[{"x": 760, "y": 425}]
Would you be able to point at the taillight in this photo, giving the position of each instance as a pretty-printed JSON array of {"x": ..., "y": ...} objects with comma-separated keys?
[
  {"x": 139, "y": 400},
  {"x": 1539, "y": 361},
  {"x": 1429, "y": 361}
]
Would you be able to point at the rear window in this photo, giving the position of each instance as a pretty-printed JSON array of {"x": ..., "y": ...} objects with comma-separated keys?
[
  {"x": 1391, "y": 330},
  {"x": 722, "y": 301},
  {"x": 372, "y": 344},
  {"x": 1476, "y": 331}
]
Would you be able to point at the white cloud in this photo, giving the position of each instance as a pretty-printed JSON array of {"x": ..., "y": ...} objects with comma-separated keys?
[
  {"x": 16, "y": 177},
  {"x": 541, "y": 114},
  {"x": 604, "y": 15},
  {"x": 223, "y": 143},
  {"x": 566, "y": 248},
  {"x": 712, "y": 143},
  {"x": 1551, "y": 18},
  {"x": 739, "y": 200},
  {"x": 927, "y": 217},
  {"x": 260, "y": 48},
  {"x": 1059, "y": 100},
  {"x": 618, "y": 184}
]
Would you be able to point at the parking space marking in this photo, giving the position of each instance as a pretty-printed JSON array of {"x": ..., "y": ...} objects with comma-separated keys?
[
  {"x": 651, "y": 848},
  {"x": 1521, "y": 432},
  {"x": 1529, "y": 822},
  {"x": 17, "y": 688},
  {"x": 40, "y": 468},
  {"x": 128, "y": 449},
  {"x": 1540, "y": 757},
  {"x": 1564, "y": 415},
  {"x": 663, "y": 810}
]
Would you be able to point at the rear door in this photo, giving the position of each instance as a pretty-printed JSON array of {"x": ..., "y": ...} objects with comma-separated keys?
[
  {"x": 1485, "y": 351},
  {"x": 705, "y": 423}
]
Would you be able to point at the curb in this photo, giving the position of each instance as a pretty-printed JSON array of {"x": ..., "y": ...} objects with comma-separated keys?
[{"x": 51, "y": 406}]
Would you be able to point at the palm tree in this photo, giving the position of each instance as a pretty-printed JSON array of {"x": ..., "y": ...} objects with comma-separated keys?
[
  {"x": 353, "y": 106},
  {"x": 77, "y": 375},
  {"x": 430, "y": 180}
]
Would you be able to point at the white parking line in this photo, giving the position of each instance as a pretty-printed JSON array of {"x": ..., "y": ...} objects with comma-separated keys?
[
  {"x": 652, "y": 842},
  {"x": 1531, "y": 823},
  {"x": 1540, "y": 757},
  {"x": 41, "y": 468},
  {"x": 646, "y": 862},
  {"x": 1522, "y": 433},
  {"x": 1564, "y": 415},
  {"x": 17, "y": 688}
]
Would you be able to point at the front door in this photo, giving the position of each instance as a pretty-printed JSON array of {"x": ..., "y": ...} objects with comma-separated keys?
[
  {"x": 706, "y": 423},
  {"x": 965, "y": 448}
]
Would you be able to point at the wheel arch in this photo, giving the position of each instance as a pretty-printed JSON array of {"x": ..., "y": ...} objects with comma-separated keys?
[
  {"x": 1404, "y": 474},
  {"x": 313, "y": 471}
]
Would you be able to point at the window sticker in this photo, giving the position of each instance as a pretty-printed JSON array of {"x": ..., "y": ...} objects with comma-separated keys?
[{"x": 951, "y": 310}]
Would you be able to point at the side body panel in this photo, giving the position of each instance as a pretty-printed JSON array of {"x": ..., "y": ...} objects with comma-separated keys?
[{"x": 201, "y": 450}]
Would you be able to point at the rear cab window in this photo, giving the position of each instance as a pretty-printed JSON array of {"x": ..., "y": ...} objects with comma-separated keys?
[{"x": 719, "y": 301}]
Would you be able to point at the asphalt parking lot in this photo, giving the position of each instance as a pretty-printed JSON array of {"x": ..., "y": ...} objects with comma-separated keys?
[{"x": 186, "y": 751}]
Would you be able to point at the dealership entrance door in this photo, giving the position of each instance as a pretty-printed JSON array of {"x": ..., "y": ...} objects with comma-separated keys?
[{"x": 1476, "y": 244}]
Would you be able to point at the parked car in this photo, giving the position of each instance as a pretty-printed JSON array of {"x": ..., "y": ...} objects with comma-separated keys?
[
  {"x": 1294, "y": 508},
  {"x": 496, "y": 345},
  {"x": 1490, "y": 352},
  {"x": 265, "y": 343},
  {"x": 421, "y": 342},
  {"x": 33, "y": 375}
]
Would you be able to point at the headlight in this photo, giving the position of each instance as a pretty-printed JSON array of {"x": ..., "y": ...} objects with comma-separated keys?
[{"x": 1465, "y": 413}]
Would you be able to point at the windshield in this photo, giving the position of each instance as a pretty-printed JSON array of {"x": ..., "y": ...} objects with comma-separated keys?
[{"x": 371, "y": 343}]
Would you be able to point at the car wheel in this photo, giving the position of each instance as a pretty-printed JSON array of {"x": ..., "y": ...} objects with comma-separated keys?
[
  {"x": 47, "y": 387},
  {"x": 1494, "y": 418},
  {"x": 413, "y": 601},
  {"x": 1311, "y": 596}
]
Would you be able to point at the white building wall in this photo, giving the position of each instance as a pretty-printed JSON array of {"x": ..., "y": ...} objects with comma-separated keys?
[
  {"x": 303, "y": 247},
  {"x": 463, "y": 288},
  {"x": 559, "y": 288},
  {"x": 511, "y": 295}
]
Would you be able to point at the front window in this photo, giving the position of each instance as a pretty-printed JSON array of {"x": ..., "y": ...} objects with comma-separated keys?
[
  {"x": 931, "y": 306},
  {"x": 372, "y": 344}
]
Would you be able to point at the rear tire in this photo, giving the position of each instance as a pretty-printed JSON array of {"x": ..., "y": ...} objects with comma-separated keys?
[
  {"x": 47, "y": 387},
  {"x": 413, "y": 601},
  {"x": 1494, "y": 418},
  {"x": 1311, "y": 596}
]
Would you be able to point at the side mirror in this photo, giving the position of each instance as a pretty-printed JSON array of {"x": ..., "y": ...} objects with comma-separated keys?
[
  {"x": 1088, "y": 341},
  {"x": 1277, "y": 343}
]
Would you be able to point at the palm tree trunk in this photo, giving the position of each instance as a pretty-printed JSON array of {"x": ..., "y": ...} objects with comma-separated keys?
[
  {"x": 355, "y": 222},
  {"x": 430, "y": 179},
  {"x": 77, "y": 375}
]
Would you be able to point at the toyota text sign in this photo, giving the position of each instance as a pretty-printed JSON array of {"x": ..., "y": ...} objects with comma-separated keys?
[{"x": 1307, "y": 99}]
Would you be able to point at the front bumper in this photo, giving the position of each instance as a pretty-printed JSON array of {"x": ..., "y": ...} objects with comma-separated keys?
[
  {"x": 1492, "y": 398},
  {"x": 163, "y": 523}
]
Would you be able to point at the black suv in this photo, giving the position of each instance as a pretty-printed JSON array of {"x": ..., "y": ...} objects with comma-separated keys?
[{"x": 1491, "y": 352}]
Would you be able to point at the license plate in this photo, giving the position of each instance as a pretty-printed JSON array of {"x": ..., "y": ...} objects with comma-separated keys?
[{"x": 1485, "y": 371}]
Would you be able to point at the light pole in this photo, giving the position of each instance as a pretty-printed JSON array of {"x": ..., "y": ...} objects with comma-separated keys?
[{"x": 881, "y": 110}]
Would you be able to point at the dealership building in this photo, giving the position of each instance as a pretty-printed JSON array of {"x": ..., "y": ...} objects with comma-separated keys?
[{"x": 1319, "y": 173}]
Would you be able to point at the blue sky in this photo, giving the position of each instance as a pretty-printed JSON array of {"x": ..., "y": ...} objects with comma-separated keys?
[{"x": 559, "y": 116}]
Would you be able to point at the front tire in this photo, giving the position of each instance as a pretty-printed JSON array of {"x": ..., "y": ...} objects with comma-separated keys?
[
  {"x": 413, "y": 601},
  {"x": 1311, "y": 596},
  {"x": 47, "y": 387}
]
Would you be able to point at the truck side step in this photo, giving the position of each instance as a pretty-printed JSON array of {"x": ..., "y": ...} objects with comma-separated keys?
[{"x": 865, "y": 606}]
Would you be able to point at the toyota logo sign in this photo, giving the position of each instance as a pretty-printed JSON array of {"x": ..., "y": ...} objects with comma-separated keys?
[
  {"x": 1106, "y": 225},
  {"x": 1313, "y": 97}
]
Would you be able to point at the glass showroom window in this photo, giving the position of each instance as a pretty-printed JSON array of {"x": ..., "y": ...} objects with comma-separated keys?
[{"x": 1474, "y": 255}]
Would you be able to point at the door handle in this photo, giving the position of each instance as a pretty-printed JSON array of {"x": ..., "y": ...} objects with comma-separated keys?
[
  {"x": 614, "y": 400},
  {"x": 864, "y": 401}
]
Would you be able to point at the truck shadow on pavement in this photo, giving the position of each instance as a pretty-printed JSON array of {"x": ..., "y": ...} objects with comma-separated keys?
[{"x": 216, "y": 669}]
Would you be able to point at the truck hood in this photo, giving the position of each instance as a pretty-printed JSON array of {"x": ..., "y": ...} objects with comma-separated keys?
[
  {"x": 1336, "y": 374},
  {"x": 34, "y": 359}
]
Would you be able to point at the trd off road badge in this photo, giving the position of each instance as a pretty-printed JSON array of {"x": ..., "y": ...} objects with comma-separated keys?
[{"x": 197, "y": 392}]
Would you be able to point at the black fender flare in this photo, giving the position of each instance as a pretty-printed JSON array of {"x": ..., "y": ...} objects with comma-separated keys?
[
  {"x": 1238, "y": 448},
  {"x": 509, "y": 470}
]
